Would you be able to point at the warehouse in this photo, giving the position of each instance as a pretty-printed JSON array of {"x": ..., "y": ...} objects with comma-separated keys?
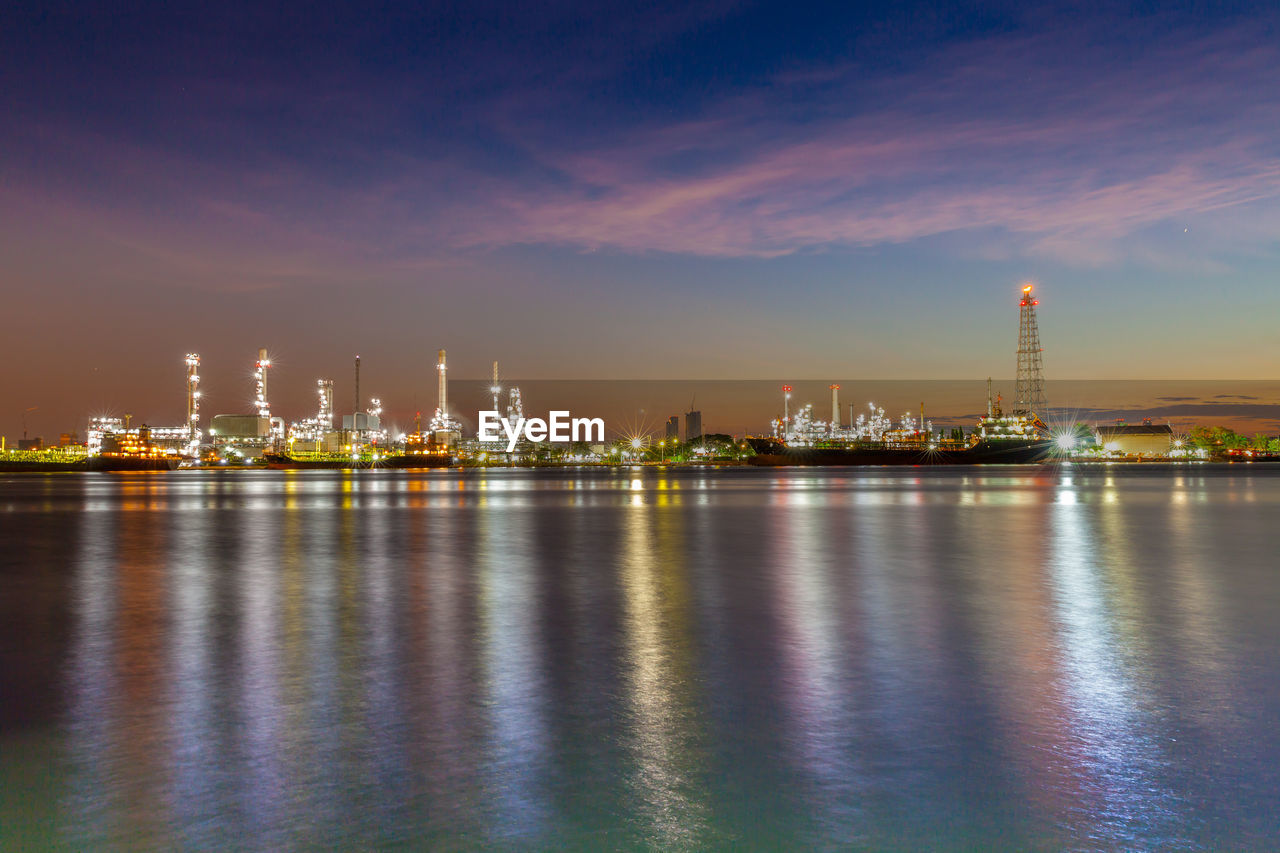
[{"x": 1144, "y": 439}]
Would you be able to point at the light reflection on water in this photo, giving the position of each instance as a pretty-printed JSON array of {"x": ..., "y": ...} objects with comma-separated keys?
[
  {"x": 661, "y": 729},
  {"x": 675, "y": 659},
  {"x": 1113, "y": 755},
  {"x": 514, "y": 689}
]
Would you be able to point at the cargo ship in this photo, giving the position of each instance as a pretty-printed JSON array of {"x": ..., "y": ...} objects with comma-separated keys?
[
  {"x": 321, "y": 461},
  {"x": 111, "y": 462},
  {"x": 133, "y": 451},
  {"x": 420, "y": 451}
]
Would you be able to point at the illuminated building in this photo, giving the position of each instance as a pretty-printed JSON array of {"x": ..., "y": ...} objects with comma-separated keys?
[
  {"x": 316, "y": 434},
  {"x": 248, "y": 431},
  {"x": 363, "y": 428},
  {"x": 106, "y": 433},
  {"x": 100, "y": 428},
  {"x": 1144, "y": 439},
  {"x": 515, "y": 407},
  {"x": 804, "y": 429},
  {"x": 250, "y": 435}
]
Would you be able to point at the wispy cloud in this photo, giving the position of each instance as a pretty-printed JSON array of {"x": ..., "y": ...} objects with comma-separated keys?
[
  {"x": 1036, "y": 145},
  {"x": 1000, "y": 136}
]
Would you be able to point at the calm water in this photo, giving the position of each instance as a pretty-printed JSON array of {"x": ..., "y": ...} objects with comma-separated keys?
[{"x": 874, "y": 658}]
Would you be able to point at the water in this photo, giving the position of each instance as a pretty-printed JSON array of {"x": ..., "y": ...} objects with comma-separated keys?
[{"x": 843, "y": 658}]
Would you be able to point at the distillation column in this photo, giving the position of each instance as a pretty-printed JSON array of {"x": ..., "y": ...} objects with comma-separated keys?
[
  {"x": 193, "y": 402},
  {"x": 324, "y": 418},
  {"x": 260, "y": 375},
  {"x": 443, "y": 392}
]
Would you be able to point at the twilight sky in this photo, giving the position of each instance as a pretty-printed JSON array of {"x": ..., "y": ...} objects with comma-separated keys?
[{"x": 661, "y": 190}]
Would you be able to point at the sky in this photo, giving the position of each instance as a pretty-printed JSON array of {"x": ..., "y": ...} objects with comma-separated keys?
[{"x": 593, "y": 190}]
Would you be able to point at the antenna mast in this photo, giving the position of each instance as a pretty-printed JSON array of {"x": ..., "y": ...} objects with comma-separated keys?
[{"x": 1028, "y": 397}]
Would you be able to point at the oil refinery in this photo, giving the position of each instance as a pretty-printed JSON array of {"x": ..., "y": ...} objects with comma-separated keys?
[{"x": 804, "y": 434}]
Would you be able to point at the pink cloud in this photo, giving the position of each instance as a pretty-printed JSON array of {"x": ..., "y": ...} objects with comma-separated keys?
[{"x": 1065, "y": 166}]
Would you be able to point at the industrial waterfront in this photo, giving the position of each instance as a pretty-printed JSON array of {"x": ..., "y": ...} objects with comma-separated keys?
[
  {"x": 938, "y": 658},
  {"x": 1023, "y": 429},
  {"x": 667, "y": 426}
]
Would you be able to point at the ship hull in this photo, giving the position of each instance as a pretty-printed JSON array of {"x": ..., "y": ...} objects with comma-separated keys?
[
  {"x": 23, "y": 465},
  {"x": 980, "y": 454},
  {"x": 284, "y": 462},
  {"x": 130, "y": 463},
  {"x": 415, "y": 461},
  {"x": 280, "y": 461}
]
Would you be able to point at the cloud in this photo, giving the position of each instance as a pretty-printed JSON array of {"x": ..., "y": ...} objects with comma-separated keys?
[
  {"x": 1058, "y": 146},
  {"x": 1197, "y": 410},
  {"x": 1065, "y": 164}
]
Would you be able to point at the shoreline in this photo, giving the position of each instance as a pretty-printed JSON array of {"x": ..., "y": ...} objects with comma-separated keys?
[{"x": 1179, "y": 464}]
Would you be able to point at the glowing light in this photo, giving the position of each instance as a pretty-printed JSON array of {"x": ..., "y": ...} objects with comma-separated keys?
[
  {"x": 193, "y": 403},
  {"x": 260, "y": 378},
  {"x": 1066, "y": 441}
]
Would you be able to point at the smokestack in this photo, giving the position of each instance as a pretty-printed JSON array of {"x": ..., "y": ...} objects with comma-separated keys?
[
  {"x": 444, "y": 386},
  {"x": 835, "y": 407},
  {"x": 355, "y": 412},
  {"x": 496, "y": 388}
]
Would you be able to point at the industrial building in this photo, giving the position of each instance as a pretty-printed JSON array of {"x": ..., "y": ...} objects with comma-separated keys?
[
  {"x": 241, "y": 430},
  {"x": 248, "y": 435},
  {"x": 109, "y": 434},
  {"x": 673, "y": 428},
  {"x": 1144, "y": 439}
]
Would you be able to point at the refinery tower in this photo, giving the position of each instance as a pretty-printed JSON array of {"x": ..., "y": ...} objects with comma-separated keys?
[{"x": 444, "y": 427}]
